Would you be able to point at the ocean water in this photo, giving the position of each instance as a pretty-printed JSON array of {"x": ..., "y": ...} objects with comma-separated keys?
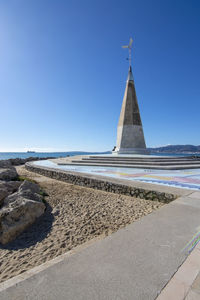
[{"x": 7, "y": 155}]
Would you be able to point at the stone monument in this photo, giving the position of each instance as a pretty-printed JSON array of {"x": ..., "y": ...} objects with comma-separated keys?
[{"x": 130, "y": 136}]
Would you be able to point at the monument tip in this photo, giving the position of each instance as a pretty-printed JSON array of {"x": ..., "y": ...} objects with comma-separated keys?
[{"x": 130, "y": 74}]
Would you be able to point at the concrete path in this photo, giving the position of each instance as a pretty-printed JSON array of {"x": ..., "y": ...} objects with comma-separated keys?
[
  {"x": 185, "y": 284},
  {"x": 142, "y": 162},
  {"x": 134, "y": 263}
]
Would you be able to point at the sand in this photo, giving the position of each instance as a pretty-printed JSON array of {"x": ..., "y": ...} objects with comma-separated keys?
[{"x": 74, "y": 215}]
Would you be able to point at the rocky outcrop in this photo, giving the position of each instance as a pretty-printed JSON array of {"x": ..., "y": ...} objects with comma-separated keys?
[
  {"x": 26, "y": 190},
  {"x": 10, "y": 186},
  {"x": 7, "y": 188},
  {"x": 28, "y": 185},
  {"x": 16, "y": 216},
  {"x": 20, "y": 161},
  {"x": 20, "y": 205},
  {"x": 5, "y": 164},
  {"x": 3, "y": 194},
  {"x": 8, "y": 173}
]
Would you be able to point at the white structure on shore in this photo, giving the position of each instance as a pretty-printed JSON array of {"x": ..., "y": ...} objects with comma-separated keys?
[{"x": 130, "y": 136}]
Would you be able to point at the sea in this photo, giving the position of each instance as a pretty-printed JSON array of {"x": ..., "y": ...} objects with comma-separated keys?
[{"x": 7, "y": 155}]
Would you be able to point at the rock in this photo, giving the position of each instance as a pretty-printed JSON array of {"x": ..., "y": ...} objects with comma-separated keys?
[
  {"x": 8, "y": 173},
  {"x": 28, "y": 185},
  {"x": 20, "y": 161},
  {"x": 55, "y": 211},
  {"x": 22, "y": 204},
  {"x": 30, "y": 195},
  {"x": 5, "y": 164},
  {"x": 11, "y": 198},
  {"x": 25, "y": 194},
  {"x": 16, "y": 216},
  {"x": 13, "y": 186},
  {"x": 7, "y": 188},
  {"x": 16, "y": 161},
  {"x": 10, "y": 186},
  {"x": 3, "y": 194},
  {"x": 27, "y": 190}
]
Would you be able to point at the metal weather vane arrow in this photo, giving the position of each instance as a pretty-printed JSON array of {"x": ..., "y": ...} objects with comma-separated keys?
[{"x": 129, "y": 47}]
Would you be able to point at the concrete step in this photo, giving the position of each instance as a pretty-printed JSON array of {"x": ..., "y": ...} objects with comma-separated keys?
[
  {"x": 144, "y": 166},
  {"x": 138, "y": 162},
  {"x": 142, "y": 158}
]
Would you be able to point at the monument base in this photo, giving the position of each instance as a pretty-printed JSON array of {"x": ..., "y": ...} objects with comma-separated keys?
[{"x": 141, "y": 151}]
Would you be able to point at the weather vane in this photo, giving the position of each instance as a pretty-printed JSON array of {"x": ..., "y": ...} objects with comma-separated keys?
[{"x": 129, "y": 46}]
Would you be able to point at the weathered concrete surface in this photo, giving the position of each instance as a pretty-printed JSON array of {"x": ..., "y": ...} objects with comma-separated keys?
[
  {"x": 185, "y": 284},
  {"x": 134, "y": 263},
  {"x": 133, "y": 184},
  {"x": 133, "y": 161},
  {"x": 130, "y": 136}
]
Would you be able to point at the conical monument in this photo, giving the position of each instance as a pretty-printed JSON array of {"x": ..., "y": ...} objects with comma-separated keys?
[{"x": 130, "y": 136}]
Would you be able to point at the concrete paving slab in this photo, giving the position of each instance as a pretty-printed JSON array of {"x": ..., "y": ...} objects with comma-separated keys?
[
  {"x": 189, "y": 201},
  {"x": 139, "y": 166},
  {"x": 195, "y": 195},
  {"x": 134, "y": 263},
  {"x": 196, "y": 284},
  {"x": 181, "y": 285},
  {"x": 192, "y": 295}
]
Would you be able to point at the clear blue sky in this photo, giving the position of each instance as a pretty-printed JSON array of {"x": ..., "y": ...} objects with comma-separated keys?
[{"x": 63, "y": 72}]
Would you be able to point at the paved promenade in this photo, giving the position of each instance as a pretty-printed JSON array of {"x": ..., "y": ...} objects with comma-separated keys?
[
  {"x": 134, "y": 263},
  {"x": 185, "y": 284}
]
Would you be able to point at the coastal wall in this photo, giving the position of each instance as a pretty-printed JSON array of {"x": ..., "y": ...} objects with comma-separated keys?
[{"x": 102, "y": 184}]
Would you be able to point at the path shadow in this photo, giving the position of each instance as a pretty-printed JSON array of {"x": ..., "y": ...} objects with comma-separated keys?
[{"x": 34, "y": 233}]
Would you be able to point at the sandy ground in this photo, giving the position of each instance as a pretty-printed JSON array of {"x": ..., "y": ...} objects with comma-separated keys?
[{"x": 74, "y": 215}]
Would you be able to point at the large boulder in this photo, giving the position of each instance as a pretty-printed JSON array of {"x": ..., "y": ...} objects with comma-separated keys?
[
  {"x": 10, "y": 186},
  {"x": 28, "y": 194},
  {"x": 8, "y": 173},
  {"x": 20, "y": 205},
  {"x": 28, "y": 185},
  {"x": 7, "y": 188},
  {"x": 16, "y": 216},
  {"x": 26, "y": 190}
]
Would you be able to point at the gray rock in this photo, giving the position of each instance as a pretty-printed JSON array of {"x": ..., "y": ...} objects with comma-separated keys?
[
  {"x": 28, "y": 194},
  {"x": 10, "y": 186},
  {"x": 22, "y": 204},
  {"x": 3, "y": 194},
  {"x": 28, "y": 185},
  {"x": 8, "y": 173},
  {"x": 11, "y": 198},
  {"x": 17, "y": 216},
  {"x": 5, "y": 164},
  {"x": 7, "y": 188},
  {"x": 17, "y": 161}
]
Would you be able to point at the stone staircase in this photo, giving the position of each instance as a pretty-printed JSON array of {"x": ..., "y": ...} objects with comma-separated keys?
[{"x": 144, "y": 162}]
